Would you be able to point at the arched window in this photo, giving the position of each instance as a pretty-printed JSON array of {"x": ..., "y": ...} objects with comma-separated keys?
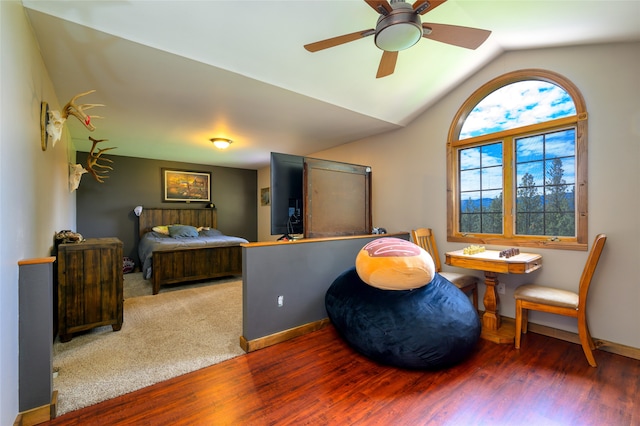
[{"x": 517, "y": 164}]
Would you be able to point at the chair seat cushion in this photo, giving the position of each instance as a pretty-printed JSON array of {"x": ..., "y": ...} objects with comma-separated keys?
[
  {"x": 433, "y": 326},
  {"x": 460, "y": 280},
  {"x": 547, "y": 295}
]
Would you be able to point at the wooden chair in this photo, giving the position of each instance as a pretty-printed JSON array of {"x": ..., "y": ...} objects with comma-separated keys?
[
  {"x": 467, "y": 283},
  {"x": 561, "y": 302}
]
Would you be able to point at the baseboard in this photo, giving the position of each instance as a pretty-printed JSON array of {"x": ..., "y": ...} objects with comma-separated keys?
[
  {"x": 568, "y": 336},
  {"x": 603, "y": 345},
  {"x": 272, "y": 339},
  {"x": 38, "y": 415}
]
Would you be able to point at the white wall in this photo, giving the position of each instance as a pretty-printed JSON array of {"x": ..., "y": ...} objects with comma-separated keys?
[
  {"x": 34, "y": 197},
  {"x": 409, "y": 180}
]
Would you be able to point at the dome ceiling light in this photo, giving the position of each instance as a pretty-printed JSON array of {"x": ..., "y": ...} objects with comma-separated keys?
[{"x": 221, "y": 143}]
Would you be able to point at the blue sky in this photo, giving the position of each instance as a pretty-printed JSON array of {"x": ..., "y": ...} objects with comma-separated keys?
[{"x": 516, "y": 105}]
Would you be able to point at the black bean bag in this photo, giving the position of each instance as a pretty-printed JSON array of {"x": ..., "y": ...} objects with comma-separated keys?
[{"x": 431, "y": 327}]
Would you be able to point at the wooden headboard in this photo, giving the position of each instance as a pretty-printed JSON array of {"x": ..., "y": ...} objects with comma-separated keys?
[{"x": 194, "y": 217}]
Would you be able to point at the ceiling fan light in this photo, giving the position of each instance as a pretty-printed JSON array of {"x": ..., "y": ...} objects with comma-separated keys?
[
  {"x": 398, "y": 37},
  {"x": 399, "y": 29},
  {"x": 221, "y": 143}
]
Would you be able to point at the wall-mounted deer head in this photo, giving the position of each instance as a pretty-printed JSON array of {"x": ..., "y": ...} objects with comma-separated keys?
[
  {"x": 92, "y": 161},
  {"x": 57, "y": 119},
  {"x": 54, "y": 126},
  {"x": 71, "y": 108},
  {"x": 75, "y": 174}
]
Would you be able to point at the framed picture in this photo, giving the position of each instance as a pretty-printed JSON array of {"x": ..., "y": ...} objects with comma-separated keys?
[
  {"x": 186, "y": 186},
  {"x": 265, "y": 200}
]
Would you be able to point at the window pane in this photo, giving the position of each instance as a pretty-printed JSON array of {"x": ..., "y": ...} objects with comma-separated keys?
[
  {"x": 492, "y": 178},
  {"x": 470, "y": 180},
  {"x": 491, "y": 155},
  {"x": 491, "y": 201},
  {"x": 470, "y": 202},
  {"x": 470, "y": 158},
  {"x": 530, "y": 174},
  {"x": 560, "y": 224},
  {"x": 470, "y": 212},
  {"x": 492, "y": 223},
  {"x": 560, "y": 144},
  {"x": 470, "y": 223},
  {"x": 560, "y": 171},
  {"x": 492, "y": 208},
  {"x": 530, "y": 223},
  {"x": 515, "y": 105},
  {"x": 529, "y": 200},
  {"x": 529, "y": 149}
]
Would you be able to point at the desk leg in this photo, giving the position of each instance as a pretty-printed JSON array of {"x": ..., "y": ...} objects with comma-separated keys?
[{"x": 492, "y": 328}]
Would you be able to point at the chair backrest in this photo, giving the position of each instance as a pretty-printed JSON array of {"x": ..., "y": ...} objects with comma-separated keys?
[
  {"x": 424, "y": 238},
  {"x": 590, "y": 268}
]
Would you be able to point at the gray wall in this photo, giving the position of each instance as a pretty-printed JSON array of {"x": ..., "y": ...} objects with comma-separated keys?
[
  {"x": 301, "y": 272},
  {"x": 34, "y": 193},
  {"x": 106, "y": 209},
  {"x": 36, "y": 323}
]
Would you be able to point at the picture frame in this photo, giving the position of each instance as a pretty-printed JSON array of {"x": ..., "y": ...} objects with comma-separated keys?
[
  {"x": 186, "y": 186},
  {"x": 265, "y": 197}
]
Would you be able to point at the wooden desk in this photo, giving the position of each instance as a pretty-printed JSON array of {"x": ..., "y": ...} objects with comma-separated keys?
[{"x": 492, "y": 264}]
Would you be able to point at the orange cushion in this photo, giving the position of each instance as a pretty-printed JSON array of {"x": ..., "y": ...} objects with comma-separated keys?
[{"x": 394, "y": 264}]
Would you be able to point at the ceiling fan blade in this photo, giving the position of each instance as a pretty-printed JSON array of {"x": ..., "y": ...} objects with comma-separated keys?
[
  {"x": 376, "y": 4},
  {"x": 430, "y": 5},
  {"x": 336, "y": 41},
  {"x": 469, "y": 38},
  {"x": 387, "y": 64}
]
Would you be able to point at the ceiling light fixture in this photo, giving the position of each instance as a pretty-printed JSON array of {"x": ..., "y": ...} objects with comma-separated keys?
[
  {"x": 399, "y": 29},
  {"x": 221, "y": 143}
]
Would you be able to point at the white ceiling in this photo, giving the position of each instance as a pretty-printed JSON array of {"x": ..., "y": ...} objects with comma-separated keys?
[{"x": 173, "y": 74}]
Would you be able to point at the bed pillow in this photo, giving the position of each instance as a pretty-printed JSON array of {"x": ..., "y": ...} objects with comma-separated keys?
[
  {"x": 183, "y": 231},
  {"x": 210, "y": 232},
  {"x": 161, "y": 229}
]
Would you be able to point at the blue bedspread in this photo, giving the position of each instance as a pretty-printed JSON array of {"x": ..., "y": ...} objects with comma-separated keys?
[{"x": 154, "y": 241}]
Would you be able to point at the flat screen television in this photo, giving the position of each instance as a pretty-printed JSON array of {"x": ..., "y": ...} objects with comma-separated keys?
[{"x": 287, "y": 175}]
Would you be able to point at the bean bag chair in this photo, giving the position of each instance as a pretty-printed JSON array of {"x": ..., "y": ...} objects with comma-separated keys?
[{"x": 433, "y": 326}]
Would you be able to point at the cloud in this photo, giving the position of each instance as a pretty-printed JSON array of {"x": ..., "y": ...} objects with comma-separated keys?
[{"x": 516, "y": 105}]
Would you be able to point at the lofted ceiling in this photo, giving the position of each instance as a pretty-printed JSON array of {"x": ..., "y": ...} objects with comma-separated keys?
[{"x": 173, "y": 74}]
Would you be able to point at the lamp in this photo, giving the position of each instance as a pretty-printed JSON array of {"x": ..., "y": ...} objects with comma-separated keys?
[
  {"x": 138, "y": 210},
  {"x": 221, "y": 143},
  {"x": 399, "y": 29}
]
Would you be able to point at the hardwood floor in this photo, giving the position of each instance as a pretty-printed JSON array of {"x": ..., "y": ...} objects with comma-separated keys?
[{"x": 317, "y": 379}]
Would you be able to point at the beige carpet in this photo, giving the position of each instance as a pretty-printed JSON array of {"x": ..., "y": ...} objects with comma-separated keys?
[{"x": 181, "y": 329}]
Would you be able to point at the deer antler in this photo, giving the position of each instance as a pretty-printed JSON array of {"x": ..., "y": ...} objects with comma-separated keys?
[
  {"x": 92, "y": 161},
  {"x": 78, "y": 110}
]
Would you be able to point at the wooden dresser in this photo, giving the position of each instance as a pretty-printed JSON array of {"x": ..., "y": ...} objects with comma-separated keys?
[{"x": 89, "y": 285}]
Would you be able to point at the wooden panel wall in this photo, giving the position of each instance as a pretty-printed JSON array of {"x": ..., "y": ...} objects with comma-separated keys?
[{"x": 337, "y": 199}]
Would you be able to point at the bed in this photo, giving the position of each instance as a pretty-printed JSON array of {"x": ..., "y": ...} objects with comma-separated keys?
[{"x": 184, "y": 256}]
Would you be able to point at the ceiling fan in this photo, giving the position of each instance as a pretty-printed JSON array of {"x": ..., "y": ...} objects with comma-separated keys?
[{"x": 399, "y": 27}]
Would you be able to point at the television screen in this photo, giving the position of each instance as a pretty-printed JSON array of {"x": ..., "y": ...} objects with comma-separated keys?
[{"x": 286, "y": 194}]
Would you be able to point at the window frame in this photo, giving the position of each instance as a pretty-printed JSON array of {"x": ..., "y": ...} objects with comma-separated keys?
[{"x": 508, "y": 237}]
